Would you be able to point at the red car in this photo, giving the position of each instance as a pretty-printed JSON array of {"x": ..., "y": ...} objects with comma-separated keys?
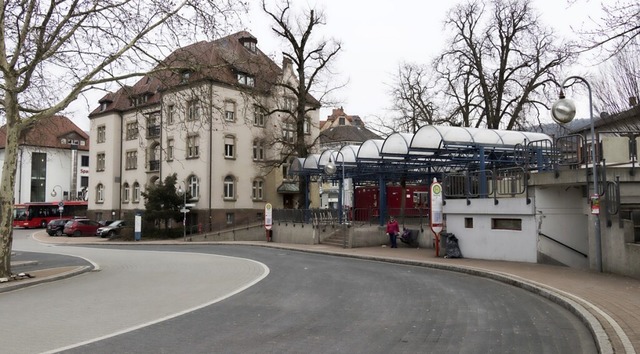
[{"x": 81, "y": 227}]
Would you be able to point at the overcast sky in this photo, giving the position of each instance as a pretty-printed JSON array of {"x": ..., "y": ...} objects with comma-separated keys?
[{"x": 377, "y": 36}]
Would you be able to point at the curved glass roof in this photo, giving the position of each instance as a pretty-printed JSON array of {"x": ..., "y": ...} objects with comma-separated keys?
[{"x": 430, "y": 142}]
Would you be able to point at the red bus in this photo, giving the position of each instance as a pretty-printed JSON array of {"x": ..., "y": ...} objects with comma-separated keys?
[{"x": 32, "y": 215}]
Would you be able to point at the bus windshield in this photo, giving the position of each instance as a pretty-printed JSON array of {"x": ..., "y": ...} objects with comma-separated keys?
[{"x": 20, "y": 212}]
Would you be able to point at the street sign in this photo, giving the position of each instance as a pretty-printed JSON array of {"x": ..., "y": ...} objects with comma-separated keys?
[
  {"x": 184, "y": 210},
  {"x": 268, "y": 216},
  {"x": 61, "y": 204},
  {"x": 60, "y": 209}
]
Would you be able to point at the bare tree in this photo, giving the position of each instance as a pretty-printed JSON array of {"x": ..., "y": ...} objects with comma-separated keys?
[
  {"x": 52, "y": 52},
  {"x": 617, "y": 85},
  {"x": 619, "y": 29},
  {"x": 414, "y": 97},
  {"x": 499, "y": 63},
  {"x": 311, "y": 60}
]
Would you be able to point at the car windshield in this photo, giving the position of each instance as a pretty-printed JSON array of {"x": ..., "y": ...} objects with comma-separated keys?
[{"x": 115, "y": 223}]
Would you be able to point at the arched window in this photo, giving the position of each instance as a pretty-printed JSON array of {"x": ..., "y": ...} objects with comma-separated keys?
[
  {"x": 194, "y": 186},
  {"x": 136, "y": 192},
  {"x": 100, "y": 193},
  {"x": 126, "y": 192},
  {"x": 229, "y": 187}
]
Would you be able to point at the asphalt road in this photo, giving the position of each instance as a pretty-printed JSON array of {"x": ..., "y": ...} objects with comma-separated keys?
[{"x": 241, "y": 299}]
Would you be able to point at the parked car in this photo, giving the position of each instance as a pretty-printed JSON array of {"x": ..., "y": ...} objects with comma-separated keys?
[
  {"x": 56, "y": 227},
  {"x": 80, "y": 227},
  {"x": 110, "y": 230}
]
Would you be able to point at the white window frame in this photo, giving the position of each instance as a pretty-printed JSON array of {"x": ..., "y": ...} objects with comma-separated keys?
[
  {"x": 100, "y": 193},
  {"x": 257, "y": 191},
  {"x": 136, "y": 192},
  {"x": 229, "y": 111},
  {"x": 100, "y": 161},
  {"x": 102, "y": 134},
  {"x": 126, "y": 192},
  {"x": 258, "y": 150},
  {"x": 194, "y": 186},
  {"x": 193, "y": 146},
  {"x": 229, "y": 147},
  {"x": 229, "y": 187}
]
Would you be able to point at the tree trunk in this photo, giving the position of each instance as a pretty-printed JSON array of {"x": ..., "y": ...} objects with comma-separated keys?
[{"x": 7, "y": 185}]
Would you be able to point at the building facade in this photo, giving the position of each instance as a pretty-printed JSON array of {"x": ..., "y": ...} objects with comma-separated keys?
[
  {"x": 219, "y": 121},
  {"x": 53, "y": 162}
]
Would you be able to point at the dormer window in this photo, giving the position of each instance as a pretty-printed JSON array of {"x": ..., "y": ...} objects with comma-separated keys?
[
  {"x": 341, "y": 121},
  {"x": 103, "y": 106},
  {"x": 246, "y": 79},
  {"x": 250, "y": 43},
  {"x": 186, "y": 75}
]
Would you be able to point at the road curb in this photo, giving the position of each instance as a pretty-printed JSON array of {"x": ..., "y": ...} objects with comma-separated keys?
[{"x": 21, "y": 284}]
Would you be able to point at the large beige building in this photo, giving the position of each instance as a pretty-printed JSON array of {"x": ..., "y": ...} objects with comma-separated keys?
[{"x": 218, "y": 119}]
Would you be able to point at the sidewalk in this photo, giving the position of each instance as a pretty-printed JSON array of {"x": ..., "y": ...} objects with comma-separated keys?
[{"x": 608, "y": 304}]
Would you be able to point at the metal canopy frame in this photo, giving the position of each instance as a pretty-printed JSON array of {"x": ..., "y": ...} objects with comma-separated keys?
[{"x": 431, "y": 152}]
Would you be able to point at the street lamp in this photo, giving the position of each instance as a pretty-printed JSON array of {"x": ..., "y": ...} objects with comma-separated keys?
[
  {"x": 184, "y": 211},
  {"x": 330, "y": 168},
  {"x": 563, "y": 111},
  {"x": 54, "y": 194}
]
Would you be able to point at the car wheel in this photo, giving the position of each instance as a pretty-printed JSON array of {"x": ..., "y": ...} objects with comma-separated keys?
[
  {"x": 59, "y": 233},
  {"x": 77, "y": 234},
  {"x": 111, "y": 234}
]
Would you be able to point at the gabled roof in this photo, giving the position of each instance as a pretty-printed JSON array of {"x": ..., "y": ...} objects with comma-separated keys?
[
  {"x": 49, "y": 132},
  {"x": 346, "y": 133},
  {"x": 220, "y": 61}
]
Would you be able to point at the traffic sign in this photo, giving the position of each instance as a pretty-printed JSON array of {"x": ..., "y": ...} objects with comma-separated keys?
[
  {"x": 184, "y": 210},
  {"x": 61, "y": 204}
]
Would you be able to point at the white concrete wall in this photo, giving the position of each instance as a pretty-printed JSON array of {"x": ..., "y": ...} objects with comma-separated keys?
[
  {"x": 562, "y": 216},
  {"x": 482, "y": 241}
]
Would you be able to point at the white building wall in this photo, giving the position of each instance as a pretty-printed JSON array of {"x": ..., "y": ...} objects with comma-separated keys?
[
  {"x": 483, "y": 242},
  {"x": 58, "y": 173}
]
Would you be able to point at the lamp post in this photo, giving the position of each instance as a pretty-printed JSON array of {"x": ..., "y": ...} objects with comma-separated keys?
[
  {"x": 184, "y": 211},
  {"x": 61, "y": 204},
  {"x": 330, "y": 169},
  {"x": 563, "y": 111}
]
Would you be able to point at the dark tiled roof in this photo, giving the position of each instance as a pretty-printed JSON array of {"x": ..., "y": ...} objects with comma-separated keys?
[
  {"x": 347, "y": 133},
  {"x": 48, "y": 132},
  {"x": 220, "y": 61}
]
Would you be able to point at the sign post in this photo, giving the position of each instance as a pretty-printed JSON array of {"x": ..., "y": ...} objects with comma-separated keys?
[
  {"x": 436, "y": 221},
  {"x": 268, "y": 220}
]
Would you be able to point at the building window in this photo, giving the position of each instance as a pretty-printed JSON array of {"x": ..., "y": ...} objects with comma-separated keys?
[
  {"x": 506, "y": 224},
  {"x": 171, "y": 113},
  {"x": 258, "y": 186},
  {"x": 38, "y": 176},
  {"x": 131, "y": 161},
  {"x": 193, "y": 143},
  {"x": 153, "y": 125},
  {"x": 229, "y": 147},
  {"x": 125, "y": 192},
  {"x": 341, "y": 121},
  {"x": 289, "y": 132},
  {"x": 251, "y": 45},
  {"x": 84, "y": 182},
  {"x": 100, "y": 161},
  {"x": 136, "y": 192},
  {"x": 102, "y": 134},
  {"x": 100, "y": 193},
  {"x": 154, "y": 157},
  {"x": 258, "y": 150},
  {"x": 258, "y": 116},
  {"x": 185, "y": 75},
  {"x": 230, "y": 218},
  {"x": 229, "y": 188},
  {"x": 246, "y": 79},
  {"x": 285, "y": 169},
  {"x": 229, "y": 111},
  {"x": 193, "y": 110},
  {"x": 132, "y": 130},
  {"x": 84, "y": 161},
  {"x": 289, "y": 104},
  {"x": 307, "y": 125},
  {"x": 170, "y": 148},
  {"x": 194, "y": 186}
]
